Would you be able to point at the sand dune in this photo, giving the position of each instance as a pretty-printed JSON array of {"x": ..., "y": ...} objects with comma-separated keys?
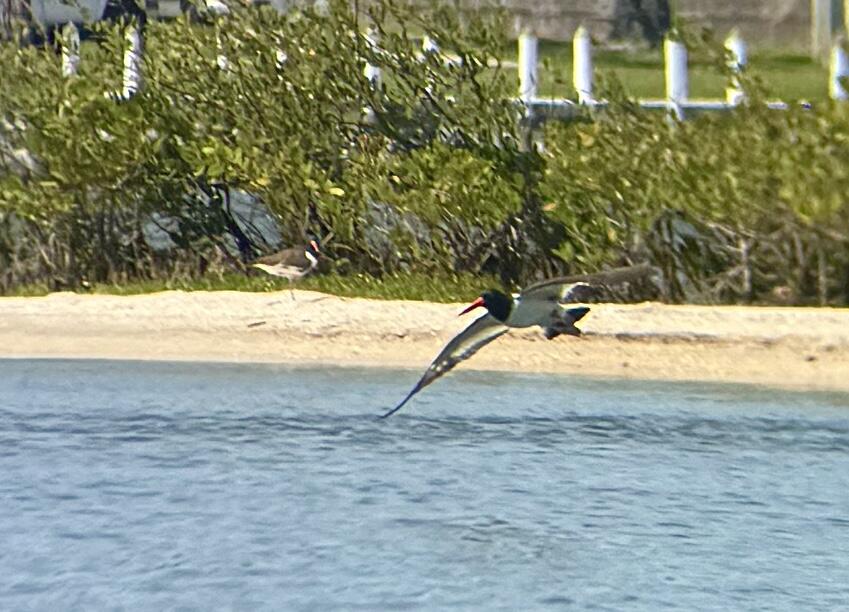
[{"x": 788, "y": 347}]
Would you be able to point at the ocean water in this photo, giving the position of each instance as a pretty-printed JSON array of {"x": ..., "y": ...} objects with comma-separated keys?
[{"x": 190, "y": 486}]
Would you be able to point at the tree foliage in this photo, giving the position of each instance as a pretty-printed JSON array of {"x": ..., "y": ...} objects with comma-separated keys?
[{"x": 427, "y": 172}]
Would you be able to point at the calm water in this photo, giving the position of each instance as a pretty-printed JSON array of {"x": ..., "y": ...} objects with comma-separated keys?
[{"x": 154, "y": 486}]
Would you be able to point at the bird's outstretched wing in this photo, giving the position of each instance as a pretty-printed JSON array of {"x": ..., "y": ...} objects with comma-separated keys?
[
  {"x": 583, "y": 287},
  {"x": 481, "y": 332}
]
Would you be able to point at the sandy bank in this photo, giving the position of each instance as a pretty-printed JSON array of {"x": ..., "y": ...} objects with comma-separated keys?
[{"x": 791, "y": 347}]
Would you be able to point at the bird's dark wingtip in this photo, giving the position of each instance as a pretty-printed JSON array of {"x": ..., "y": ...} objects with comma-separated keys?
[
  {"x": 395, "y": 409},
  {"x": 404, "y": 401}
]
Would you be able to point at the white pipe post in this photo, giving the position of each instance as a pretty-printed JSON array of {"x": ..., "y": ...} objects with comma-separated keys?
[
  {"x": 70, "y": 49},
  {"x": 677, "y": 85},
  {"x": 372, "y": 72},
  {"x": 846, "y": 16},
  {"x": 839, "y": 69},
  {"x": 429, "y": 48},
  {"x": 527, "y": 67},
  {"x": 820, "y": 28},
  {"x": 429, "y": 45},
  {"x": 280, "y": 59},
  {"x": 582, "y": 65},
  {"x": 221, "y": 59},
  {"x": 132, "y": 81},
  {"x": 736, "y": 46}
]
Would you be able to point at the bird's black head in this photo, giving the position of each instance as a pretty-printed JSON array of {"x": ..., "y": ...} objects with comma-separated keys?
[
  {"x": 497, "y": 303},
  {"x": 313, "y": 248}
]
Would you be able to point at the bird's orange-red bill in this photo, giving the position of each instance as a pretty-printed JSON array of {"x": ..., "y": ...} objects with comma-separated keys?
[{"x": 476, "y": 304}]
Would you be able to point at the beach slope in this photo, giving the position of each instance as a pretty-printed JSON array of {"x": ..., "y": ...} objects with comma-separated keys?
[{"x": 801, "y": 348}]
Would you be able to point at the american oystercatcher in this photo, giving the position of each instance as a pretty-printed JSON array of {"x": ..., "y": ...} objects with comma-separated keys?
[
  {"x": 546, "y": 304},
  {"x": 292, "y": 264}
]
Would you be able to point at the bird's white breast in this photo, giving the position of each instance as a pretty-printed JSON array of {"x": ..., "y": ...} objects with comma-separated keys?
[{"x": 527, "y": 312}]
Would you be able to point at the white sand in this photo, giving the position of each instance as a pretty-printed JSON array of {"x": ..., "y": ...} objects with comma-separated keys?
[{"x": 788, "y": 347}]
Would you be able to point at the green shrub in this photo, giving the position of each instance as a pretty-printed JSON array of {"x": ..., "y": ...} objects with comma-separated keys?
[
  {"x": 267, "y": 103},
  {"x": 731, "y": 206}
]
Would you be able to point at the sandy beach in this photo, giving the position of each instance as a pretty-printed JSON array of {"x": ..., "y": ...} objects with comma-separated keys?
[{"x": 800, "y": 348}]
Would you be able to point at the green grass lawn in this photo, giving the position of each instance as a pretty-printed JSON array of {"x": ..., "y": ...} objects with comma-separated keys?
[{"x": 786, "y": 76}]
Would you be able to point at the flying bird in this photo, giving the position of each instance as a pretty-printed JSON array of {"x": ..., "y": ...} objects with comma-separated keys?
[
  {"x": 292, "y": 264},
  {"x": 548, "y": 304}
]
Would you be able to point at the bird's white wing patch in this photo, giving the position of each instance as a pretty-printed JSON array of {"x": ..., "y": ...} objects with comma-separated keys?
[
  {"x": 559, "y": 292},
  {"x": 577, "y": 292},
  {"x": 481, "y": 332}
]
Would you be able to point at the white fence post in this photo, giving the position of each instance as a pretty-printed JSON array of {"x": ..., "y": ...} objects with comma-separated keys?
[
  {"x": 737, "y": 63},
  {"x": 582, "y": 65},
  {"x": 677, "y": 86},
  {"x": 839, "y": 69},
  {"x": 70, "y": 49},
  {"x": 132, "y": 81},
  {"x": 527, "y": 67}
]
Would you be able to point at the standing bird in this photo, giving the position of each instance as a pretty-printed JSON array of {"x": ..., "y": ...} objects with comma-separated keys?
[
  {"x": 292, "y": 264},
  {"x": 543, "y": 304}
]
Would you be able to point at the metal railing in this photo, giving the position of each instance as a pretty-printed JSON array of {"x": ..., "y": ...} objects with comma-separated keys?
[{"x": 677, "y": 99}]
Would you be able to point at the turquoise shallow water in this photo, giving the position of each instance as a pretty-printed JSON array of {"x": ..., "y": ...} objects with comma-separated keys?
[{"x": 163, "y": 486}]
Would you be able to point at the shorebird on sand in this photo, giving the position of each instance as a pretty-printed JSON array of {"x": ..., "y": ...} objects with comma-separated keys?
[{"x": 292, "y": 264}]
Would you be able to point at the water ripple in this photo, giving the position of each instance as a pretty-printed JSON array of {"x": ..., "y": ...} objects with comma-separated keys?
[{"x": 207, "y": 486}]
